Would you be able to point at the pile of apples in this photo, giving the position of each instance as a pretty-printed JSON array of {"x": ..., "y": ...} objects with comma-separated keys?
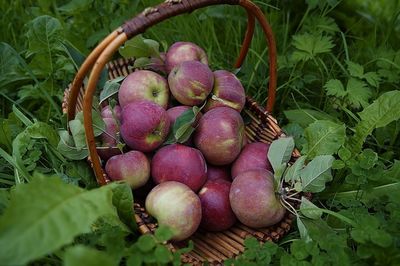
[{"x": 210, "y": 180}]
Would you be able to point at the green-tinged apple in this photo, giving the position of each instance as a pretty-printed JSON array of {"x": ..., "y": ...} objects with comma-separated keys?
[
  {"x": 191, "y": 82},
  {"x": 144, "y": 85},
  {"x": 184, "y": 51},
  {"x": 175, "y": 205},
  {"x": 133, "y": 167}
]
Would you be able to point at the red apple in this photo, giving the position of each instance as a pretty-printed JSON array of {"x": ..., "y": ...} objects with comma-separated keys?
[
  {"x": 175, "y": 205},
  {"x": 215, "y": 205},
  {"x": 180, "y": 163},
  {"x": 227, "y": 91},
  {"x": 144, "y": 85},
  {"x": 218, "y": 172},
  {"x": 253, "y": 199},
  {"x": 191, "y": 82},
  {"x": 115, "y": 113},
  {"x": 133, "y": 167},
  {"x": 184, "y": 51},
  {"x": 253, "y": 156},
  {"x": 144, "y": 125},
  {"x": 219, "y": 135}
]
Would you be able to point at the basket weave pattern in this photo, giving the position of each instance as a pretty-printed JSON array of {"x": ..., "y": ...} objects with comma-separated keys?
[{"x": 209, "y": 247}]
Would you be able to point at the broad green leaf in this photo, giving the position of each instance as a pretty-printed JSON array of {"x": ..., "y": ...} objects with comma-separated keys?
[
  {"x": 324, "y": 137},
  {"x": 67, "y": 148},
  {"x": 139, "y": 47},
  {"x": 317, "y": 173},
  {"x": 78, "y": 133},
  {"x": 279, "y": 153},
  {"x": 81, "y": 255},
  {"x": 76, "y": 56},
  {"x": 335, "y": 87},
  {"x": 142, "y": 62},
  {"x": 43, "y": 34},
  {"x": 54, "y": 213},
  {"x": 13, "y": 69},
  {"x": 98, "y": 123},
  {"x": 309, "y": 210},
  {"x": 111, "y": 87},
  {"x": 380, "y": 113},
  {"x": 123, "y": 201},
  {"x": 293, "y": 172},
  {"x": 358, "y": 93},
  {"x": 304, "y": 117},
  {"x": 302, "y": 230},
  {"x": 4, "y": 199}
]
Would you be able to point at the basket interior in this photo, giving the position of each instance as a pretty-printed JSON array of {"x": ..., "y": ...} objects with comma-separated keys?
[{"x": 213, "y": 247}]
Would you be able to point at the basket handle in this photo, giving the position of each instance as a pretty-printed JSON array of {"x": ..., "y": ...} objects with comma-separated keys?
[{"x": 151, "y": 16}]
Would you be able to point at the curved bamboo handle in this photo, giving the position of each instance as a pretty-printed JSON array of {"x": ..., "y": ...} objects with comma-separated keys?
[{"x": 151, "y": 16}]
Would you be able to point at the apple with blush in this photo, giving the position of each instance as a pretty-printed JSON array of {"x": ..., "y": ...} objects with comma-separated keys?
[
  {"x": 219, "y": 135},
  {"x": 133, "y": 167},
  {"x": 144, "y": 85},
  {"x": 253, "y": 199},
  {"x": 176, "y": 206},
  {"x": 184, "y": 51},
  {"x": 177, "y": 162},
  {"x": 144, "y": 125},
  {"x": 191, "y": 82},
  {"x": 253, "y": 156}
]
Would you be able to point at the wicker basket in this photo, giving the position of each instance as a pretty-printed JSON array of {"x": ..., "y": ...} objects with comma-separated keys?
[{"x": 209, "y": 247}]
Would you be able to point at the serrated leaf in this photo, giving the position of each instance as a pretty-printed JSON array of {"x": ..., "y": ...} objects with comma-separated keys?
[
  {"x": 344, "y": 153},
  {"x": 309, "y": 46},
  {"x": 355, "y": 70},
  {"x": 380, "y": 113},
  {"x": 54, "y": 212},
  {"x": 317, "y": 173},
  {"x": 111, "y": 87},
  {"x": 139, "y": 47},
  {"x": 358, "y": 93},
  {"x": 98, "y": 123},
  {"x": 280, "y": 152},
  {"x": 309, "y": 210},
  {"x": 81, "y": 255},
  {"x": 183, "y": 126},
  {"x": 293, "y": 172},
  {"x": 335, "y": 88},
  {"x": 324, "y": 137},
  {"x": 372, "y": 78},
  {"x": 123, "y": 201}
]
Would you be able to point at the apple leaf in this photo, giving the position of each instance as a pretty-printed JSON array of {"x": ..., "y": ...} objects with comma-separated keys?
[
  {"x": 309, "y": 210},
  {"x": 293, "y": 172},
  {"x": 279, "y": 154},
  {"x": 111, "y": 87},
  {"x": 140, "y": 47},
  {"x": 317, "y": 173},
  {"x": 183, "y": 127}
]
